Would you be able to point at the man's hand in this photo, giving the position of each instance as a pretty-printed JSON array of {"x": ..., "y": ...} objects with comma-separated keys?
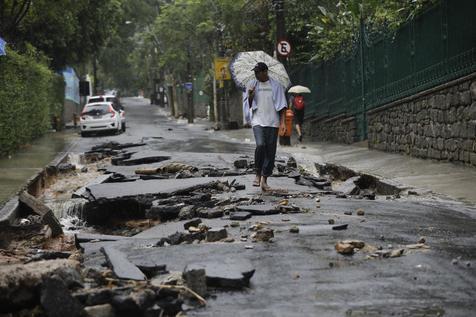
[
  {"x": 251, "y": 94},
  {"x": 282, "y": 128}
]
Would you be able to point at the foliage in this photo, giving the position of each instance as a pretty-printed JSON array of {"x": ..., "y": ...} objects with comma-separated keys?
[
  {"x": 26, "y": 97},
  {"x": 330, "y": 27},
  {"x": 118, "y": 68},
  {"x": 69, "y": 32},
  {"x": 192, "y": 32},
  {"x": 12, "y": 12}
]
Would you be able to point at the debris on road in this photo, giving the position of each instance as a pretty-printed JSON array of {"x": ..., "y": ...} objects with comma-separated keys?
[
  {"x": 347, "y": 246},
  {"x": 214, "y": 235},
  {"x": 121, "y": 266},
  {"x": 46, "y": 214},
  {"x": 294, "y": 229},
  {"x": 151, "y": 204},
  {"x": 340, "y": 227},
  {"x": 263, "y": 234}
]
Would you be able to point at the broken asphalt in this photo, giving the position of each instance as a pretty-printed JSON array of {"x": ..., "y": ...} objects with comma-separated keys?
[{"x": 178, "y": 209}]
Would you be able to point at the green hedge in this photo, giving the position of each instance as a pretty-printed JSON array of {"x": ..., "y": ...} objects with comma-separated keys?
[{"x": 29, "y": 96}]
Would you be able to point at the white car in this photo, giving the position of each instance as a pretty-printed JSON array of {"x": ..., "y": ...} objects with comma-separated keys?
[
  {"x": 115, "y": 103},
  {"x": 100, "y": 116}
]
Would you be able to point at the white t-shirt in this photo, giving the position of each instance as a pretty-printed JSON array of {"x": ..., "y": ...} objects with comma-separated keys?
[{"x": 266, "y": 114}]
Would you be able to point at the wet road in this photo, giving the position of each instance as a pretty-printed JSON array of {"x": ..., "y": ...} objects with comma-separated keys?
[
  {"x": 301, "y": 274},
  {"x": 152, "y": 124}
]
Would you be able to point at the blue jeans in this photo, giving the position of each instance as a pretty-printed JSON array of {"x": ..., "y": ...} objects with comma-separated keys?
[{"x": 266, "y": 141}]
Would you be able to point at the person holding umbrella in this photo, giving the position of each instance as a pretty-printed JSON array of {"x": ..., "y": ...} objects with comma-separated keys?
[
  {"x": 264, "y": 105},
  {"x": 297, "y": 102}
]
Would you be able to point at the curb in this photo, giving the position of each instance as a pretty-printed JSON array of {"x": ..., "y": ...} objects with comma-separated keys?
[{"x": 9, "y": 211}]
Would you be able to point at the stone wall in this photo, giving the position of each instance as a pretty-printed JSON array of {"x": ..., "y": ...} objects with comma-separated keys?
[
  {"x": 337, "y": 129},
  {"x": 438, "y": 124}
]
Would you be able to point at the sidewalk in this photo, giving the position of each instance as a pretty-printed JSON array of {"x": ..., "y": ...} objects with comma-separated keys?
[{"x": 454, "y": 180}]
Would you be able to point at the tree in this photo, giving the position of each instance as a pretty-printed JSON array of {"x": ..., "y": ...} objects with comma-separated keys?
[
  {"x": 11, "y": 15},
  {"x": 67, "y": 31}
]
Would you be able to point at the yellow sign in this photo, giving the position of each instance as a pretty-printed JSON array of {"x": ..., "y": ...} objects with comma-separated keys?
[{"x": 222, "y": 71}]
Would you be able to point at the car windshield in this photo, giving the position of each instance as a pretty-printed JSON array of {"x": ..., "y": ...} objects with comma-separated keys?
[
  {"x": 97, "y": 99},
  {"x": 94, "y": 110}
]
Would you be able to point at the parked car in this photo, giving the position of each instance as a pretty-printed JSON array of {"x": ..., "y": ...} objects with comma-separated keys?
[
  {"x": 115, "y": 103},
  {"x": 100, "y": 116}
]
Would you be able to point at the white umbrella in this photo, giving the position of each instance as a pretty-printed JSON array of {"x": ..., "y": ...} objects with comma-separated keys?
[
  {"x": 299, "y": 90},
  {"x": 242, "y": 65}
]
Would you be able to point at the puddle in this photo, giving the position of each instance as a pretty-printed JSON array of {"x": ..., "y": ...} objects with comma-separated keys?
[{"x": 22, "y": 165}]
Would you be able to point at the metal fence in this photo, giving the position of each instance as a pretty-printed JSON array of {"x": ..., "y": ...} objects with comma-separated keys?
[{"x": 437, "y": 46}]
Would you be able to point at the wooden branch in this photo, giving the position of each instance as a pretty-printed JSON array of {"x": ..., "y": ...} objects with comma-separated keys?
[
  {"x": 185, "y": 288},
  {"x": 23, "y": 11}
]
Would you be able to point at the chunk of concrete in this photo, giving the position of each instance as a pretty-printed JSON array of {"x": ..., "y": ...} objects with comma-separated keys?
[
  {"x": 240, "y": 215},
  {"x": 340, "y": 227},
  {"x": 142, "y": 157},
  {"x": 148, "y": 187},
  {"x": 344, "y": 248},
  {"x": 227, "y": 274},
  {"x": 149, "y": 267},
  {"x": 349, "y": 187},
  {"x": 19, "y": 284},
  {"x": 88, "y": 237},
  {"x": 216, "y": 234},
  {"x": 211, "y": 213},
  {"x": 83, "y": 192},
  {"x": 163, "y": 212},
  {"x": 195, "y": 278},
  {"x": 241, "y": 163},
  {"x": 121, "y": 266},
  {"x": 263, "y": 234},
  {"x": 56, "y": 299},
  {"x": 261, "y": 210},
  {"x": 47, "y": 215},
  {"x": 192, "y": 223},
  {"x": 104, "y": 310}
]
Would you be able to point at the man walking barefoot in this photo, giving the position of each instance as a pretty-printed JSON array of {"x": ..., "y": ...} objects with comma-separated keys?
[{"x": 264, "y": 105}]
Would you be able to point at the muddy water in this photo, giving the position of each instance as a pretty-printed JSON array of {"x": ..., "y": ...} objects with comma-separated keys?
[{"x": 20, "y": 166}]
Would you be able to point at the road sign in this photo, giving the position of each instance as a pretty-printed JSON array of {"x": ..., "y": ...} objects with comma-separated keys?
[
  {"x": 284, "y": 48},
  {"x": 222, "y": 70},
  {"x": 188, "y": 86}
]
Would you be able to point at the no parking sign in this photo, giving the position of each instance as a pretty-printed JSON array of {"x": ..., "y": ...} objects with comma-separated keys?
[{"x": 284, "y": 48}]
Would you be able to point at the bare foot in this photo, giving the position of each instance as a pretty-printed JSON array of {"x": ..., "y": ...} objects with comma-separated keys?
[
  {"x": 257, "y": 180},
  {"x": 264, "y": 185}
]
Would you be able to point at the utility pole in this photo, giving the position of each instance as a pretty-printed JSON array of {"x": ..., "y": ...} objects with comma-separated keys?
[
  {"x": 189, "y": 89},
  {"x": 280, "y": 36},
  {"x": 362, "y": 122},
  {"x": 280, "y": 26}
]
